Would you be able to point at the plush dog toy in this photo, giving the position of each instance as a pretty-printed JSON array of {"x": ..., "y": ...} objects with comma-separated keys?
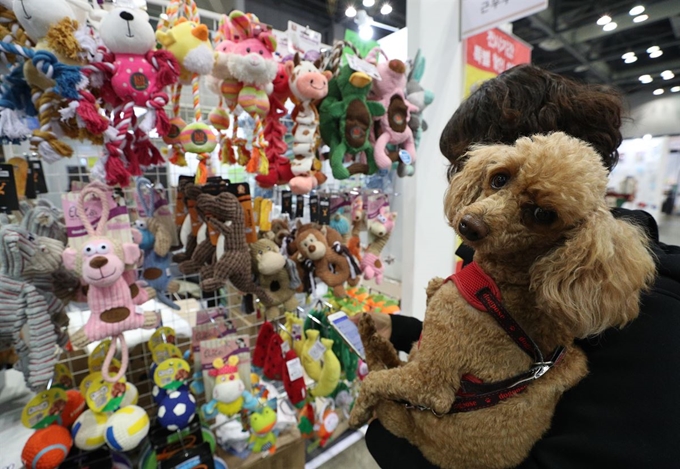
[
  {"x": 307, "y": 85},
  {"x": 101, "y": 264},
  {"x": 332, "y": 263},
  {"x": 393, "y": 124},
  {"x": 277, "y": 275},
  {"x": 346, "y": 121},
  {"x": 380, "y": 228},
  {"x": 224, "y": 214},
  {"x": 479, "y": 389},
  {"x": 23, "y": 255}
]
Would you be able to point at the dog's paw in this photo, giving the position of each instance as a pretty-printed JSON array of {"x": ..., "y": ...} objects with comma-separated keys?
[{"x": 361, "y": 413}]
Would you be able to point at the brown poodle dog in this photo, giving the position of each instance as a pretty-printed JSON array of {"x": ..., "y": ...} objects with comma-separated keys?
[{"x": 566, "y": 269}]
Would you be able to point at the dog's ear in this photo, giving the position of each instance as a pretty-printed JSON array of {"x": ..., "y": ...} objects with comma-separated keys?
[
  {"x": 594, "y": 280},
  {"x": 466, "y": 185}
]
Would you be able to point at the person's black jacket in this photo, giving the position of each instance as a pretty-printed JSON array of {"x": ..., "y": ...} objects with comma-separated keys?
[{"x": 625, "y": 414}]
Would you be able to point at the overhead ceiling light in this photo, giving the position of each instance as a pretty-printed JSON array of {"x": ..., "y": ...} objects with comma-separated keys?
[
  {"x": 647, "y": 137},
  {"x": 550, "y": 44},
  {"x": 350, "y": 12},
  {"x": 631, "y": 60},
  {"x": 582, "y": 68},
  {"x": 646, "y": 79},
  {"x": 604, "y": 19},
  {"x": 655, "y": 54},
  {"x": 653, "y": 49},
  {"x": 628, "y": 54},
  {"x": 658, "y": 91},
  {"x": 386, "y": 9},
  {"x": 610, "y": 26},
  {"x": 369, "y": 3},
  {"x": 675, "y": 89},
  {"x": 667, "y": 75},
  {"x": 365, "y": 32},
  {"x": 636, "y": 10},
  {"x": 640, "y": 19}
]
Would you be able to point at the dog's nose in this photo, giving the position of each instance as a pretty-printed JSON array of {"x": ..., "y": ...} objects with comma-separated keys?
[
  {"x": 472, "y": 228},
  {"x": 312, "y": 248},
  {"x": 127, "y": 16},
  {"x": 98, "y": 262}
]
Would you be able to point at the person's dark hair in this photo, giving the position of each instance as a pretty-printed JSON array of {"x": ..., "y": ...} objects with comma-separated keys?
[{"x": 526, "y": 100}]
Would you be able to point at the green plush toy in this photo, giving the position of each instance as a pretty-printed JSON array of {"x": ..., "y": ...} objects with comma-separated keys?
[{"x": 346, "y": 121}]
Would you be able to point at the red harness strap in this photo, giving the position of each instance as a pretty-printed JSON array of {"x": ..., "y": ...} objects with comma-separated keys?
[{"x": 483, "y": 294}]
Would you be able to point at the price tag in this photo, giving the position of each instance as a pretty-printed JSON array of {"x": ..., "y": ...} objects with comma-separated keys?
[
  {"x": 317, "y": 351},
  {"x": 297, "y": 332},
  {"x": 360, "y": 65},
  {"x": 295, "y": 369},
  {"x": 285, "y": 347},
  {"x": 405, "y": 156},
  {"x": 44, "y": 409}
]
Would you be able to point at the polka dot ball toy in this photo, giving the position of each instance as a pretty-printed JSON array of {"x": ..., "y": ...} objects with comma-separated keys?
[
  {"x": 177, "y": 410},
  {"x": 126, "y": 428},
  {"x": 47, "y": 448}
]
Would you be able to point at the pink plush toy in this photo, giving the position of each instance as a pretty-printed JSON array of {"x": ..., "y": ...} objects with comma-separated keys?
[
  {"x": 308, "y": 85},
  {"x": 380, "y": 228},
  {"x": 136, "y": 75},
  {"x": 252, "y": 64},
  {"x": 101, "y": 264},
  {"x": 389, "y": 91}
]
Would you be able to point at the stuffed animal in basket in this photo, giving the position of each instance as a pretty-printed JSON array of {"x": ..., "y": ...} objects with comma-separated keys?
[
  {"x": 497, "y": 349},
  {"x": 276, "y": 274},
  {"x": 346, "y": 122}
]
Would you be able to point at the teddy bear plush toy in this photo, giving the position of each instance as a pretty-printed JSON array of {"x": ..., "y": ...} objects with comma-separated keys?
[
  {"x": 346, "y": 121},
  {"x": 332, "y": 263},
  {"x": 276, "y": 274}
]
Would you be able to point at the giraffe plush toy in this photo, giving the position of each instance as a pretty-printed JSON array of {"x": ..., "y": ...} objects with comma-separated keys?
[
  {"x": 380, "y": 228},
  {"x": 307, "y": 84}
]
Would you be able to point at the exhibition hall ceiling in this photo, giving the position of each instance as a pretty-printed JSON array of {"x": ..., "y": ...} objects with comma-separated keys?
[{"x": 634, "y": 45}]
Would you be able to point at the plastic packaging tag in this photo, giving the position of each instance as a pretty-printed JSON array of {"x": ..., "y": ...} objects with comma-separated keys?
[
  {"x": 44, "y": 409},
  {"x": 317, "y": 351}
]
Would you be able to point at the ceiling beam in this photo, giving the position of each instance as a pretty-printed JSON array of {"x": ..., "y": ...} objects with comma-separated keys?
[
  {"x": 601, "y": 71},
  {"x": 655, "y": 11},
  {"x": 622, "y": 77}
]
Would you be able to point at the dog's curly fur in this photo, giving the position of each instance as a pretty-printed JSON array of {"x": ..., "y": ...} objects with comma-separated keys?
[{"x": 569, "y": 279}]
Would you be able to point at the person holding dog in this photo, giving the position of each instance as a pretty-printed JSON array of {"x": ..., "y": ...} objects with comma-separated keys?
[{"x": 624, "y": 414}]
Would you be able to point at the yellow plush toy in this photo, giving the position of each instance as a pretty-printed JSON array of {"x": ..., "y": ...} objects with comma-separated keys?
[
  {"x": 293, "y": 332},
  {"x": 311, "y": 366},
  {"x": 330, "y": 373},
  {"x": 190, "y": 43}
]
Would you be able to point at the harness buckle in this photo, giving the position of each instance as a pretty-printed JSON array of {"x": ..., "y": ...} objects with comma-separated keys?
[{"x": 542, "y": 368}]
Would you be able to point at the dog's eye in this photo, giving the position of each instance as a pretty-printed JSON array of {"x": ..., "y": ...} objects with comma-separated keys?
[
  {"x": 543, "y": 216},
  {"x": 499, "y": 180}
]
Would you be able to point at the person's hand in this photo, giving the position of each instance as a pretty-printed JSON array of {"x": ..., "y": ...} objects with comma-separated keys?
[{"x": 383, "y": 323}]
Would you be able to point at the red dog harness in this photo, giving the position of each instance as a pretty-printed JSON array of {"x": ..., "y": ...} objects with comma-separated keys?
[{"x": 483, "y": 294}]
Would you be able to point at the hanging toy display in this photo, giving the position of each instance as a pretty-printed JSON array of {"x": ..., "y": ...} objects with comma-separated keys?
[
  {"x": 155, "y": 244},
  {"x": 274, "y": 132},
  {"x": 393, "y": 129},
  {"x": 347, "y": 122},
  {"x": 135, "y": 74},
  {"x": 189, "y": 42},
  {"x": 101, "y": 264},
  {"x": 250, "y": 61},
  {"x": 307, "y": 85}
]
